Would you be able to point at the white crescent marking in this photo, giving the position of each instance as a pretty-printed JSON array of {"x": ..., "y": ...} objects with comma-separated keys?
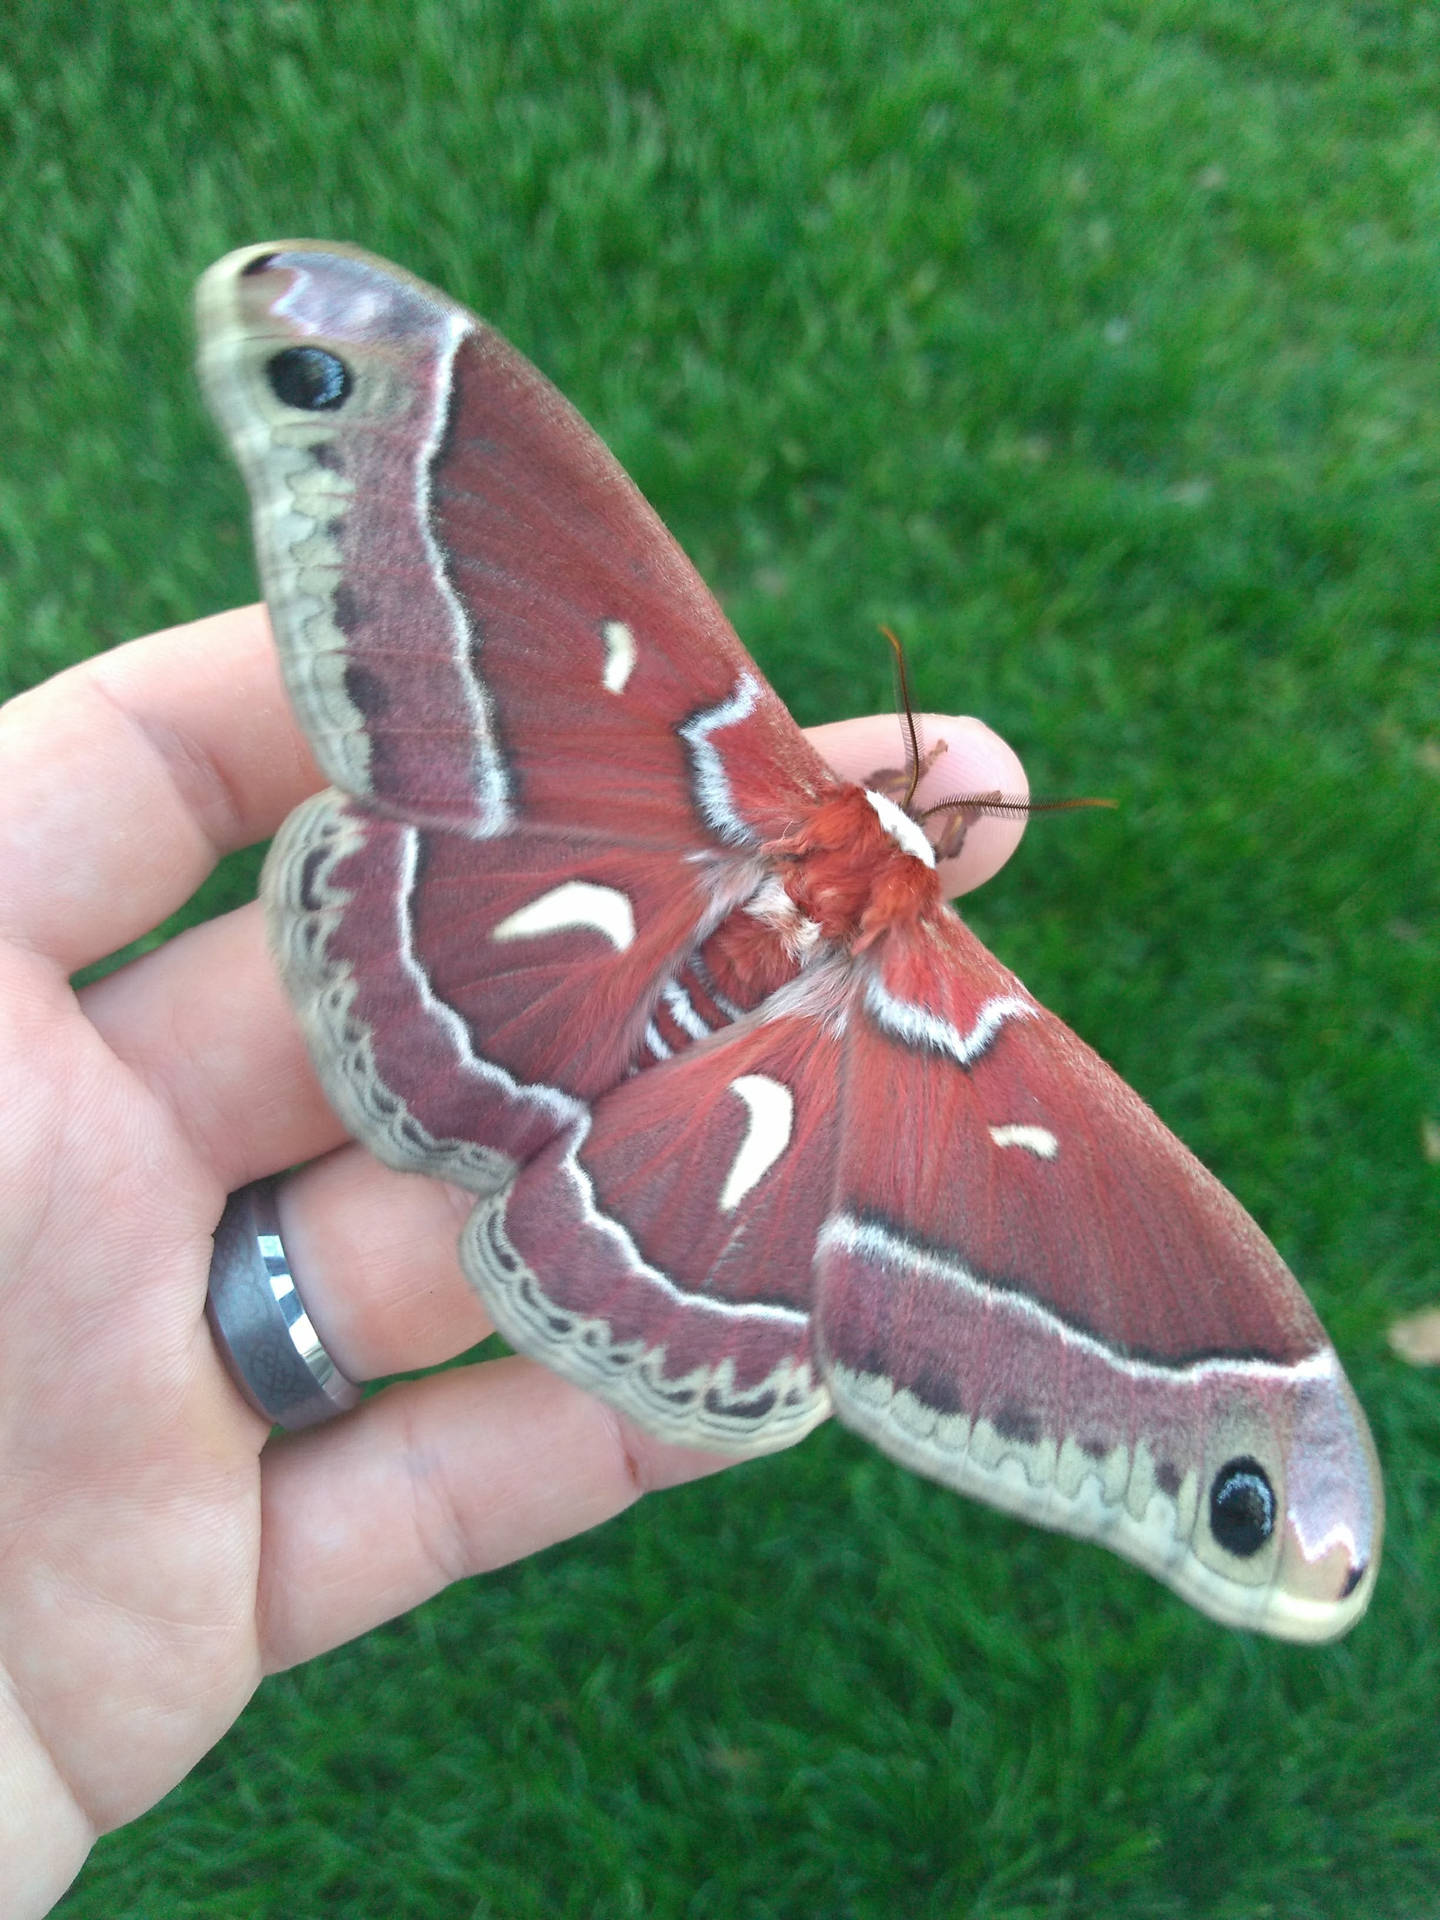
[
  {"x": 1037, "y": 1140},
  {"x": 578, "y": 903},
  {"x": 565, "y": 1109},
  {"x": 772, "y": 1115},
  {"x": 619, "y": 654}
]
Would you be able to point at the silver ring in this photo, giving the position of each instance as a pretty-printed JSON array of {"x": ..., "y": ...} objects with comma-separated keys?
[{"x": 260, "y": 1323}]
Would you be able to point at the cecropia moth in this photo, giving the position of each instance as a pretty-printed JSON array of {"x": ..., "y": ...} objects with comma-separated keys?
[{"x": 757, "y": 1130}]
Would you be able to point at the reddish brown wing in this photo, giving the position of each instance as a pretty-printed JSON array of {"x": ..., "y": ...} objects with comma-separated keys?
[
  {"x": 482, "y": 622},
  {"x": 1062, "y": 1312},
  {"x": 556, "y": 761}
]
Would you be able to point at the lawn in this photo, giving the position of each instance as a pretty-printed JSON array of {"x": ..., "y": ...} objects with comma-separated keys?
[{"x": 1092, "y": 347}]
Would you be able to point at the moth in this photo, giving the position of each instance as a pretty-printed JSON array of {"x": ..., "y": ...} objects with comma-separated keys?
[{"x": 757, "y": 1130}]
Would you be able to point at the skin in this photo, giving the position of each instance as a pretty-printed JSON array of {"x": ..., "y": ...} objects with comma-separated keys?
[{"x": 157, "y": 1556}]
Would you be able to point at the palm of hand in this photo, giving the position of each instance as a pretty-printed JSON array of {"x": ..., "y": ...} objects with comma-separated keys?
[{"x": 130, "y": 1503}]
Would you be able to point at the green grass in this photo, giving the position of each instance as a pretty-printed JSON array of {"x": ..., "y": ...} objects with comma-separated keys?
[{"x": 1094, "y": 348}]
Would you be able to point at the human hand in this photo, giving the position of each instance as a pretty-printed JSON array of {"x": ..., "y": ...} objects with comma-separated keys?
[{"x": 157, "y": 1556}]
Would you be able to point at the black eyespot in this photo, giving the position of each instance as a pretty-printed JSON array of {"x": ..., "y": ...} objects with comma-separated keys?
[
  {"x": 1242, "y": 1507},
  {"x": 310, "y": 378}
]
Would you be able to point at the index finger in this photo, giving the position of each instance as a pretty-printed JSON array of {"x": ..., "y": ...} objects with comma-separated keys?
[{"x": 128, "y": 776}]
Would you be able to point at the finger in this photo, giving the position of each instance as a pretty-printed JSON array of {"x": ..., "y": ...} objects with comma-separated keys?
[
  {"x": 377, "y": 1258},
  {"x": 205, "y": 1022},
  {"x": 975, "y": 761},
  {"x": 431, "y": 1481},
  {"x": 125, "y": 779}
]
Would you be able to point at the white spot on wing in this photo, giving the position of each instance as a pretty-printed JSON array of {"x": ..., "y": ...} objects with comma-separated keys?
[
  {"x": 1037, "y": 1140},
  {"x": 908, "y": 834},
  {"x": 564, "y": 1109},
  {"x": 736, "y": 1312},
  {"x": 772, "y": 1115},
  {"x": 578, "y": 903},
  {"x": 619, "y": 654}
]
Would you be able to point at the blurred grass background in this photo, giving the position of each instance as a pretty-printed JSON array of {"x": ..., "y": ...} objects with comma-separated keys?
[{"x": 1094, "y": 348}]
